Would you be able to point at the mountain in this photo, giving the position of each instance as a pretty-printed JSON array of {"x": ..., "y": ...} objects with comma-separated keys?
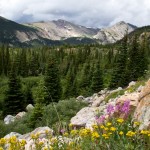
[
  {"x": 114, "y": 33},
  {"x": 59, "y": 32}
]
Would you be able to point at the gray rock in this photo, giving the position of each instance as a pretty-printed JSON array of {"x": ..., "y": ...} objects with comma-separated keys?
[
  {"x": 80, "y": 98},
  {"x": 40, "y": 130},
  {"x": 29, "y": 107},
  {"x": 9, "y": 119},
  {"x": 83, "y": 116},
  {"x": 12, "y": 134},
  {"x": 132, "y": 83},
  {"x": 139, "y": 89},
  {"x": 88, "y": 100},
  {"x": 102, "y": 92},
  {"x": 20, "y": 115}
]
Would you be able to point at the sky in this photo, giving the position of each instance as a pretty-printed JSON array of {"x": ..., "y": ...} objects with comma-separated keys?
[{"x": 90, "y": 13}]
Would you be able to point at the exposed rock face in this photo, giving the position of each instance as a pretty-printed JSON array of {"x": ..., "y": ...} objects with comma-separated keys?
[
  {"x": 46, "y": 32},
  {"x": 83, "y": 116},
  {"x": 133, "y": 97},
  {"x": 142, "y": 112},
  {"x": 9, "y": 119},
  {"x": 114, "y": 33}
]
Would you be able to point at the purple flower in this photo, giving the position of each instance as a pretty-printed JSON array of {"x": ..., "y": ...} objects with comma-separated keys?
[
  {"x": 62, "y": 131},
  {"x": 100, "y": 119},
  {"x": 110, "y": 109},
  {"x": 126, "y": 107},
  {"x": 118, "y": 107}
]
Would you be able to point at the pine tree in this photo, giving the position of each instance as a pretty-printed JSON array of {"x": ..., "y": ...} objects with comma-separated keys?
[
  {"x": 97, "y": 80},
  {"x": 133, "y": 61},
  {"x": 52, "y": 81},
  {"x": 119, "y": 70},
  {"x": 14, "y": 100}
]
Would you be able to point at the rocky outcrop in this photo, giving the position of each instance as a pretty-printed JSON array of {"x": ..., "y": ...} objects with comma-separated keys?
[
  {"x": 9, "y": 119},
  {"x": 29, "y": 107},
  {"x": 142, "y": 112}
]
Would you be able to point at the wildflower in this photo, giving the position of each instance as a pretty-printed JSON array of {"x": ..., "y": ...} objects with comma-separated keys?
[
  {"x": 149, "y": 134},
  {"x": 110, "y": 109},
  {"x": 45, "y": 148},
  {"x": 144, "y": 132},
  {"x": 130, "y": 133},
  {"x": 105, "y": 136},
  {"x": 62, "y": 131},
  {"x": 2, "y": 141},
  {"x": 108, "y": 124},
  {"x": 106, "y": 129},
  {"x": 126, "y": 107},
  {"x": 65, "y": 134},
  {"x": 121, "y": 133},
  {"x": 70, "y": 125},
  {"x": 113, "y": 129},
  {"x": 120, "y": 120},
  {"x": 22, "y": 143},
  {"x": 136, "y": 123},
  {"x": 100, "y": 119},
  {"x": 102, "y": 127},
  {"x": 1, "y": 148},
  {"x": 95, "y": 135},
  {"x": 41, "y": 143},
  {"x": 73, "y": 132},
  {"x": 95, "y": 126}
]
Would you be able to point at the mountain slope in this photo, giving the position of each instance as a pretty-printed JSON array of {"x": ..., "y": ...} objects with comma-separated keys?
[
  {"x": 58, "y": 32},
  {"x": 114, "y": 33}
]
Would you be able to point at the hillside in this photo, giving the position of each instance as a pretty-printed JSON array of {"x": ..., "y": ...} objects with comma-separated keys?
[{"x": 58, "y": 32}]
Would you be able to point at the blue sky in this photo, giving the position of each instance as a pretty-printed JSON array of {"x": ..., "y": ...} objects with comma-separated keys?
[{"x": 91, "y": 13}]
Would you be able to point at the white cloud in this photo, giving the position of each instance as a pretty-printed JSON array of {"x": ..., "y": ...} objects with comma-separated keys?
[{"x": 85, "y": 12}]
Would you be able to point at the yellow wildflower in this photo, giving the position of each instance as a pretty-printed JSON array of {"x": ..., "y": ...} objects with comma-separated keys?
[
  {"x": 65, "y": 134},
  {"x": 108, "y": 124},
  {"x": 106, "y": 129},
  {"x": 144, "y": 132},
  {"x": 2, "y": 141},
  {"x": 105, "y": 136},
  {"x": 95, "y": 135},
  {"x": 113, "y": 129},
  {"x": 1, "y": 148},
  {"x": 74, "y": 132},
  {"x": 121, "y": 133},
  {"x": 120, "y": 120},
  {"x": 102, "y": 127},
  {"x": 22, "y": 142},
  {"x": 137, "y": 123},
  {"x": 130, "y": 133},
  {"x": 45, "y": 148},
  {"x": 95, "y": 126}
]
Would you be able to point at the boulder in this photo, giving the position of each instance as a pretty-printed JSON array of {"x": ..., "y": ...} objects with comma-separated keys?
[
  {"x": 97, "y": 101},
  {"x": 29, "y": 107},
  {"x": 83, "y": 116},
  {"x": 139, "y": 89},
  {"x": 40, "y": 130},
  {"x": 12, "y": 134},
  {"x": 88, "y": 100},
  {"x": 133, "y": 97},
  {"x": 80, "y": 98},
  {"x": 116, "y": 90},
  {"x": 103, "y": 92},
  {"x": 142, "y": 112},
  {"x": 20, "y": 115},
  {"x": 132, "y": 83},
  {"x": 9, "y": 119}
]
